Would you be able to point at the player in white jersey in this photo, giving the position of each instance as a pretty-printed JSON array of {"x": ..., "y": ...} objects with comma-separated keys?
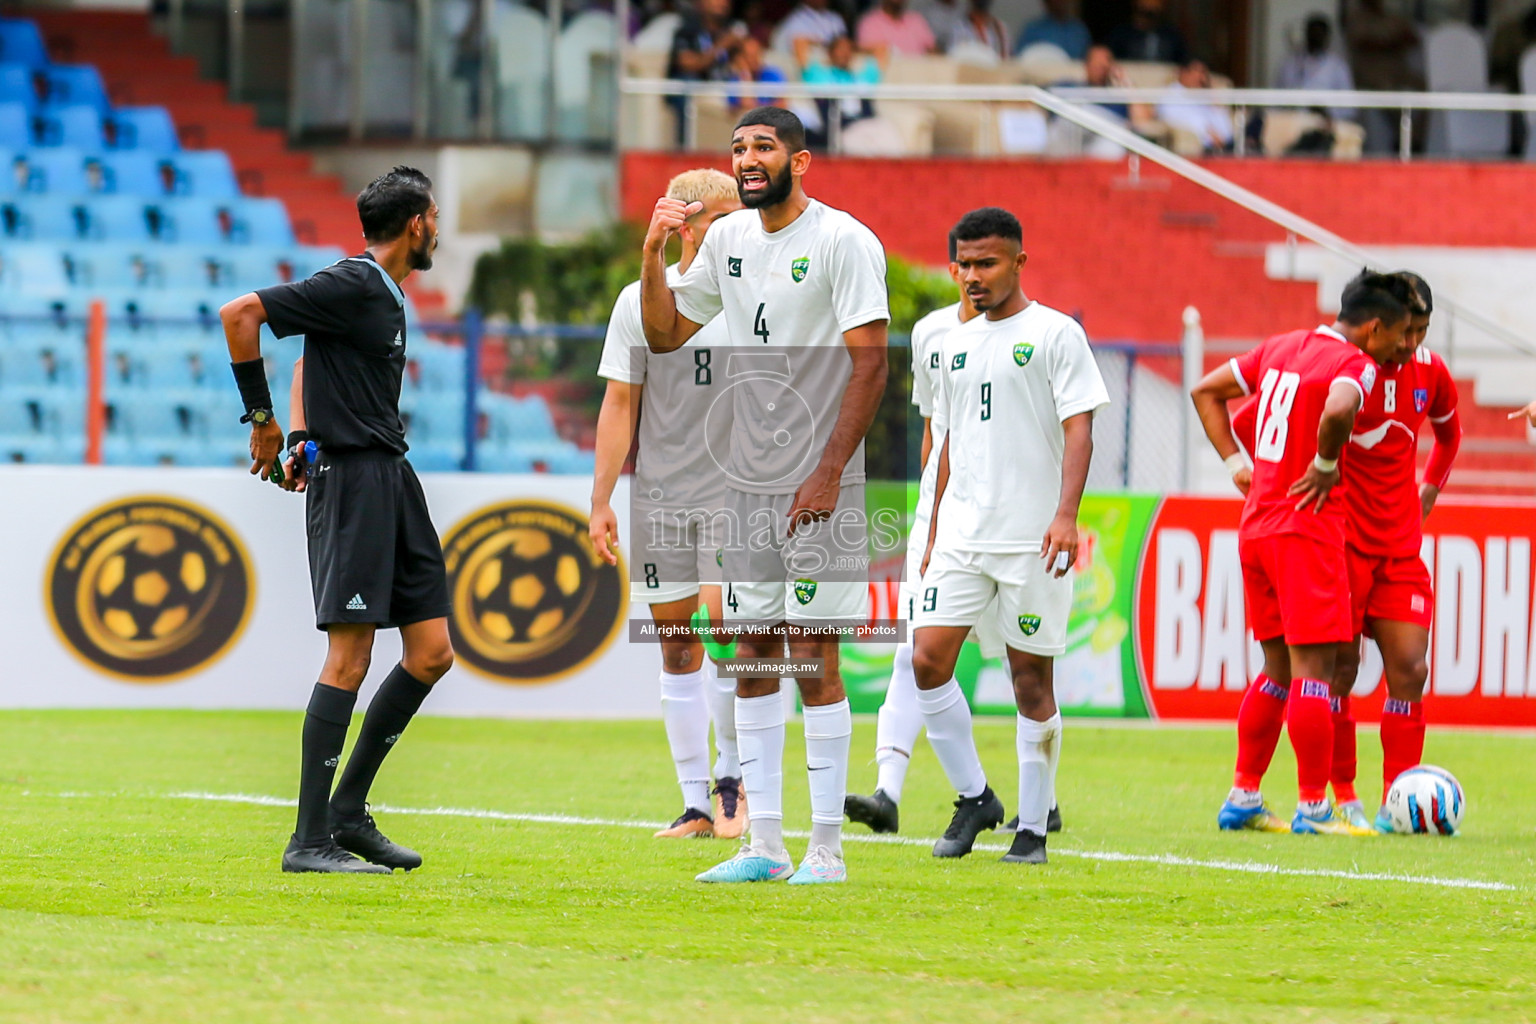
[
  {"x": 802, "y": 290},
  {"x": 1017, "y": 395},
  {"x": 675, "y": 499}
]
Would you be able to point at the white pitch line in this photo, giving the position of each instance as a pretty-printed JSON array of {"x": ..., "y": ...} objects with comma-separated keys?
[{"x": 1109, "y": 856}]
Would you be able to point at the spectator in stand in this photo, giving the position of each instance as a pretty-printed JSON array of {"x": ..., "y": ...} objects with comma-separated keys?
[
  {"x": 746, "y": 65},
  {"x": 700, "y": 48},
  {"x": 1510, "y": 41},
  {"x": 1211, "y": 124},
  {"x": 810, "y": 24},
  {"x": 980, "y": 26},
  {"x": 1316, "y": 66},
  {"x": 838, "y": 69},
  {"x": 1148, "y": 36},
  {"x": 1381, "y": 47},
  {"x": 1059, "y": 27},
  {"x": 942, "y": 16},
  {"x": 891, "y": 28},
  {"x": 1101, "y": 72}
]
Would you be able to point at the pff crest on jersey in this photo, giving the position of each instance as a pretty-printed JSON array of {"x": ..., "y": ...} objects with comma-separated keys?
[
  {"x": 1029, "y": 625},
  {"x": 805, "y": 591},
  {"x": 1022, "y": 353},
  {"x": 799, "y": 268}
]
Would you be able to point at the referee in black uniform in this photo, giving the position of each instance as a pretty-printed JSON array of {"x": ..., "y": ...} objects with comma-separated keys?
[{"x": 374, "y": 556}]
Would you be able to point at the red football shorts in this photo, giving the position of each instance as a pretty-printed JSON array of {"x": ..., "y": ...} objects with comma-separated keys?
[
  {"x": 1392, "y": 588},
  {"x": 1296, "y": 587}
]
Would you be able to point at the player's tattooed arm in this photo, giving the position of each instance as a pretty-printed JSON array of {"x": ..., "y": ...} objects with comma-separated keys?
[
  {"x": 816, "y": 498},
  {"x": 1332, "y": 434},
  {"x": 665, "y": 328},
  {"x": 1058, "y": 547},
  {"x": 940, "y": 486},
  {"x": 615, "y": 429}
]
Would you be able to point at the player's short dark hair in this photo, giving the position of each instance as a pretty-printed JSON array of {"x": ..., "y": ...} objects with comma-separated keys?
[
  {"x": 1424, "y": 299},
  {"x": 987, "y": 222},
  {"x": 1373, "y": 296},
  {"x": 387, "y": 203},
  {"x": 785, "y": 123}
]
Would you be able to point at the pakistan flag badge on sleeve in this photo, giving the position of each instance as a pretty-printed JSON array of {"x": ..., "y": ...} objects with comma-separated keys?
[
  {"x": 805, "y": 591},
  {"x": 799, "y": 268}
]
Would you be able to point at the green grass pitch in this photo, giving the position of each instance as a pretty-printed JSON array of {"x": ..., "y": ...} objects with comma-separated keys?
[{"x": 120, "y": 901}]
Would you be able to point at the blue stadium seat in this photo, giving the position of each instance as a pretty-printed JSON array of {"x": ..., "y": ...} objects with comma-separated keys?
[
  {"x": 119, "y": 219},
  {"x": 79, "y": 126},
  {"x": 204, "y": 172},
  {"x": 59, "y": 171},
  {"x": 130, "y": 172},
  {"x": 16, "y": 86},
  {"x": 501, "y": 459},
  {"x": 42, "y": 218},
  {"x": 260, "y": 222},
  {"x": 148, "y": 128},
  {"x": 440, "y": 367},
  {"x": 173, "y": 368},
  {"x": 42, "y": 322},
  {"x": 15, "y": 126},
  {"x": 22, "y": 43},
  {"x": 71, "y": 85},
  {"x": 60, "y": 410},
  {"x": 193, "y": 266},
  {"x": 36, "y": 269},
  {"x": 435, "y": 458},
  {"x": 152, "y": 416},
  {"x": 519, "y": 421},
  {"x": 189, "y": 221}
]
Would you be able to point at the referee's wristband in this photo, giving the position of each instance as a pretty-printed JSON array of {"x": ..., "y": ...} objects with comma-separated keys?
[
  {"x": 296, "y": 438},
  {"x": 1323, "y": 465},
  {"x": 251, "y": 377},
  {"x": 1235, "y": 463}
]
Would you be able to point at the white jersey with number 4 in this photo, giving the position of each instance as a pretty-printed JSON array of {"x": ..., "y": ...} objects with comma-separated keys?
[
  {"x": 799, "y": 287},
  {"x": 673, "y": 467},
  {"x": 1007, "y": 385}
]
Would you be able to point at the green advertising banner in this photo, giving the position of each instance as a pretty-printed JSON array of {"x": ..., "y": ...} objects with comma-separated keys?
[{"x": 1096, "y": 676}]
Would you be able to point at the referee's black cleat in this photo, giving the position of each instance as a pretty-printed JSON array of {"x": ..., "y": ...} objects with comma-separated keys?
[
  {"x": 358, "y": 834},
  {"x": 1052, "y": 821},
  {"x": 972, "y": 817},
  {"x": 878, "y": 811},
  {"x": 1028, "y": 848},
  {"x": 326, "y": 857}
]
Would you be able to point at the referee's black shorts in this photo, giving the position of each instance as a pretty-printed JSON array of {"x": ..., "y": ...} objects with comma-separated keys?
[{"x": 374, "y": 555}]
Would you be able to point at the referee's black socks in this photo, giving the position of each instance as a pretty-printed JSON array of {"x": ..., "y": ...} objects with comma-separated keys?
[
  {"x": 325, "y": 733},
  {"x": 391, "y": 711}
]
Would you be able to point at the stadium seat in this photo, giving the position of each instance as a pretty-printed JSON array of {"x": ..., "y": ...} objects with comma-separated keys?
[
  {"x": 493, "y": 459},
  {"x": 42, "y": 218},
  {"x": 119, "y": 219},
  {"x": 69, "y": 85},
  {"x": 260, "y": 222},
  {"x": 206, "y": 173},
  {"x": 187, "y": 266},
  {"x": 439, "y": 367},
  {"x": 127, "y": 173},
  {"x": 16, "y": 86},
  {"x": 79, "y": 126},
  {"x": 15, "y": 126},
  {"x": 36, "y": 269},
  {"x": 59, "y": 171},
  {"x": 148, "y": 128},
  {"x": 21, "y": 43},
  {"x": 189, "y": 221}
]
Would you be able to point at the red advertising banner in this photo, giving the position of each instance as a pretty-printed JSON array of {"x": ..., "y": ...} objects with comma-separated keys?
[{"x": 1195, "y": 654}]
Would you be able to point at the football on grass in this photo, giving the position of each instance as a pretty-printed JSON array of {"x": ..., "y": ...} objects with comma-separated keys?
[{"x": 1426, "y": 799}]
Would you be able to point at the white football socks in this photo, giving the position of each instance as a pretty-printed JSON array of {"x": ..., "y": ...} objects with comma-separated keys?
[
  {"x": 828, "y": 732},
  {"x": 720, "y": 693},
  {"x": 897, "y": 725},
  {"x": 760, "y": 735},
  {"x": 1035, "y": 740},
  {"x": 686, "y": 716},
  {"x": 948, "y": 718},
  {"x": 1053, "y": 757}
]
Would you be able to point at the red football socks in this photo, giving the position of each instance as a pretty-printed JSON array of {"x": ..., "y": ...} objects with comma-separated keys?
[
  {"x": 1344, "y": 757},
  {"x": 1259, "y": 720},
  {"x": 1402, "y": 739},
  {"x": 1309, "y": 721}
]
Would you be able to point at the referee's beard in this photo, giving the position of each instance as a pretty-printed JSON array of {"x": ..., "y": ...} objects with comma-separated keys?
[{"x": 420, "y": 258}]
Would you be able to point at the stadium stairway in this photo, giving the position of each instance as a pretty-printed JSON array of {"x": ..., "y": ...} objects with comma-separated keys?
[
  {"x": 1127, "y": 254},
  {"x": 139, "y": 68}
]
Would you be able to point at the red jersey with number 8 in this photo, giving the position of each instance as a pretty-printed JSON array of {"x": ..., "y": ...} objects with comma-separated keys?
[{"x": 1291, "y": 374}]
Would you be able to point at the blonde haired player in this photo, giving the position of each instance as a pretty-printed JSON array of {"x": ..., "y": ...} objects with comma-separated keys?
[{"x": 676, "y": 495}]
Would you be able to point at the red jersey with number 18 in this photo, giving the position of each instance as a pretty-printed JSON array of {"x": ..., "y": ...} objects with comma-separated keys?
[{"x": 1292, "y": 373}]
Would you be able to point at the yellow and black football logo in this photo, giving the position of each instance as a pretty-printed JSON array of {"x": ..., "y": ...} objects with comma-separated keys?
[
  {"x": 149, "y": 588},
  {"x": 532, "y": 599}
]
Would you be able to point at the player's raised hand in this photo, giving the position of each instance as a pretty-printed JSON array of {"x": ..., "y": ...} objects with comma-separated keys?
[
  {"x": 1529, "y": 413},
  {"x": 603, "y": 528},
  {"x": 669, "y": 216},
  {"x": 815, "y": 500},
  {"x": 1313, "y": 488},
  {"x": 266, "y": 444},
  {"x": 1058, "y": 548}
]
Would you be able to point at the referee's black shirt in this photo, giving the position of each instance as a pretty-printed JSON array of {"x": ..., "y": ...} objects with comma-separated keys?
[{"x": 352, "y": 316}]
